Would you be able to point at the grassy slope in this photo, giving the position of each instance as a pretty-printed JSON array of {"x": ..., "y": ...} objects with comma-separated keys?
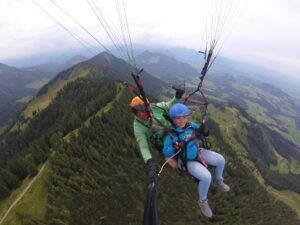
[
  {"x": 282, "y": 165},
  {"x": 229, "y": 120},
  {"x": 5, "y": 204},
  {"x": 294, "y": 134},
  {"x": 25, "y": 99},
  {"x": 259, "y": 112},
  {"x": 284, "y": 117},
  {"x": 258, "y": 97},
  {"x": 37, "y": 84},
  {"x": 33, "y": 202}
]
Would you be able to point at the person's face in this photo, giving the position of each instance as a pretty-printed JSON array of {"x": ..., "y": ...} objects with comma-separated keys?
[{"x": 180, "y": 121}]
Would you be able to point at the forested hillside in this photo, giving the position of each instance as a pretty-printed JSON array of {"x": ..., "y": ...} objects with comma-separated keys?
[
  {"x": 23, "y": 150},
  {"x": 104, "y": 170},
  {"x": 95, "y": 174},
  {"x": 92, "y": 170}
]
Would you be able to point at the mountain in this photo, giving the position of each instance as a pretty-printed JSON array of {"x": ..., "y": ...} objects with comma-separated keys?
[
  {"x": 166, "y": 68},
  {"x": 288, "y": 84},
  {"x": 78, "y": 153},
  {"x": 55, "y": 58},
  {"x": 186, "y": 55},
  {"x": 17, "y": 86},
  {"x": 92, "y": 166},
  {"x": 236, "y": 67},
  {"x": 273, "y": 104},
  {"x": 103, "y": 66},
  {"x": 52, "y": 69},
  {"x": 264, "y": 102},
  {"x": 73, "y": 61},
  {"x": 16, "y": 79}
]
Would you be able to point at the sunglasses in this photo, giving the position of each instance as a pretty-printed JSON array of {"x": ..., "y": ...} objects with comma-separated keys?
[{"x": 140, "y": 108}]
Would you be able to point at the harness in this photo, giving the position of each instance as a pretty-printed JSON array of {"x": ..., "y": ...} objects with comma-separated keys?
[
  {"x": 156, "y": 140},
  {"x": 181, "y": 145}
]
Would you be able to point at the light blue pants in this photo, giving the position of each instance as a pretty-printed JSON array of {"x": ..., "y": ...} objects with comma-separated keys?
[{"x": 197, "y": 170}]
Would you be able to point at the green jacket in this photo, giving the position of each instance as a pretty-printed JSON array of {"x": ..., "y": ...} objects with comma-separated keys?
[{"x": 142, "y": 132}]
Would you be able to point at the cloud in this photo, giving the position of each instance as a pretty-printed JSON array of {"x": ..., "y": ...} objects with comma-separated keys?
[{"x": 266, "y": 31}]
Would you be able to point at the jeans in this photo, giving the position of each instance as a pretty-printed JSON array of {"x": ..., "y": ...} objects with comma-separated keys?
[{"x": 197, "y": 170}]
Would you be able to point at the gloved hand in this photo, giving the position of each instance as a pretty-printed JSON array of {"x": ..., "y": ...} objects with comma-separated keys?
[
  {"x": 152, "y": 169},
  {"x": 179, "y": 92},
  {"x": 202, "y": 131}
]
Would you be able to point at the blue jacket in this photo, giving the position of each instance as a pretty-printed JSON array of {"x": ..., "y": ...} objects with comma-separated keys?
[{"x": 184, "y": 134}]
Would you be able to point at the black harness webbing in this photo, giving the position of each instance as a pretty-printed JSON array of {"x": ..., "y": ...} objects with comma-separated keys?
[{"x": 150, "y": 211}]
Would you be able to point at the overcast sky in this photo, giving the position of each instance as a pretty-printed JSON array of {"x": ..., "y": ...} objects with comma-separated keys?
[{"x": 266, "y": 34}]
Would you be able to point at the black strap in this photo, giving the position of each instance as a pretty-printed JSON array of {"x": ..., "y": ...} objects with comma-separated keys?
[
  {"x": 150, "y": 211},
  {"x": 182, "y": 144}
]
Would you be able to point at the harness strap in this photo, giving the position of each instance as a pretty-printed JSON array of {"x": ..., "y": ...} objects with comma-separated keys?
[
  {"x": 181, "y": 146},
  {"x": 200, "y": 154}
]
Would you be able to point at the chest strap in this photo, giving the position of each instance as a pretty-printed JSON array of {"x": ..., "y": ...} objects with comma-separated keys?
[{"x": 181, "y": 145}]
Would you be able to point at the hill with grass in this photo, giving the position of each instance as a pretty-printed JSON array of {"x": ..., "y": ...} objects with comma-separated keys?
[{"x": 80, "y": 149}]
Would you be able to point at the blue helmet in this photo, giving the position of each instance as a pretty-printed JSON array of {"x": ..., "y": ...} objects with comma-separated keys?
[{"x": 178, "y": 110}]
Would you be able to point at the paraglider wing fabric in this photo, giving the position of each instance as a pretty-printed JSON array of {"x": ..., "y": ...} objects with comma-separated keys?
[{"x": 150, "y": 211}]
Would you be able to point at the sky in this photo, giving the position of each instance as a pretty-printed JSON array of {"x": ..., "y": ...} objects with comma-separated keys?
[{"x": 266, "y": 34}]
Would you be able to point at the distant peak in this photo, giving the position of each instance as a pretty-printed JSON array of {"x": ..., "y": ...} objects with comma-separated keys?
[
  {"x": 76, "y": 59},
  {"x": 104, "y": 58},
  {"x": 4, "y": 65}
]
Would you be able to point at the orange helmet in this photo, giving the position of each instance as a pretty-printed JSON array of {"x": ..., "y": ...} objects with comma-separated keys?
[{"x": 136, "y": 101}]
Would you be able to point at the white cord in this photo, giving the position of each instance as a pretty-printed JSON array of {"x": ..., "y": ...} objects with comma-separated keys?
[{"x": 162, "y": 167}]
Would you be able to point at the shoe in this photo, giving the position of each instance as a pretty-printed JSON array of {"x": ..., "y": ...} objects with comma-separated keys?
[
  {"x": 222, "y": 186},
  {"x": 205, "y": 209}
]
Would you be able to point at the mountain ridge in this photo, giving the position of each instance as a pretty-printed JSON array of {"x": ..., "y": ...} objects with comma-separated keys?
[
  {"x": 83, "y": 191},
  {"x": 158, "y": 64},
  {"x": 98, "y": 167}
]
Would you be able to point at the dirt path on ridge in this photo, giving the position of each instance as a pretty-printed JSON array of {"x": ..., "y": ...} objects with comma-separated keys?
[{"x": 21, "y": 195}]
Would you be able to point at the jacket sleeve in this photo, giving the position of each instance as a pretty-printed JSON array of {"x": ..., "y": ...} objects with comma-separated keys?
[
  {"x": 168, "y": 104},
  {"x": 168, "y": 149},
  {"x": 141, "y": 138},
  {"x": 194, "y": 125}
]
